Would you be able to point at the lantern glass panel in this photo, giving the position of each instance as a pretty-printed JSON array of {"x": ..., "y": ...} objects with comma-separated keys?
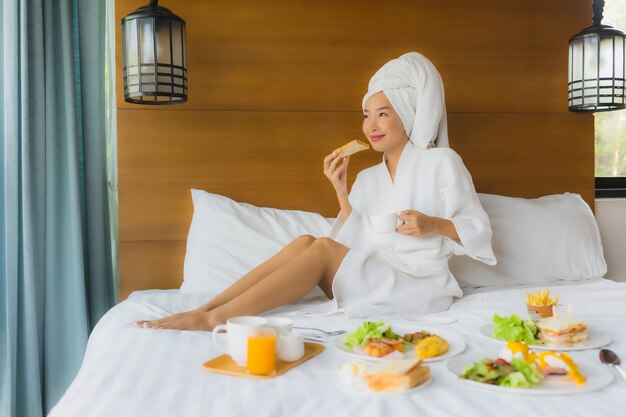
[
  {"x": 131, "y": 43},
  {"x": 619, "y": 57},
  {"x": 591, "y": 59},
  {"x": 164, "y": 84},
  {"x": 146, "y": 40},
  {"x": 147, "y": 81},
  {"x": 576, "y": 51},
  {"x": 184, "y": 43},
  {"x": 606, "y": 57},
  {"x": 163, "y": 42},
  {"x": 177, "y": 43}
]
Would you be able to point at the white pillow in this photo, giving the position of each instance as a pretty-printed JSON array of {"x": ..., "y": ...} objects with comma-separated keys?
[
  {"x": 227, "y": 239},
  {"x": 535, "y": 241}
]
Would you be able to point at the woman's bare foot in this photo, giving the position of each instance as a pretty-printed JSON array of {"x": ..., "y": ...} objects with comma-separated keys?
[
  {"x": 186, "y": 321},
  {"x": 165, "y": 320},
  {"x": 173, "y": 318}
]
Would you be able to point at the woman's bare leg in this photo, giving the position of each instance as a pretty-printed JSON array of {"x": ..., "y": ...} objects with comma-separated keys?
[
  {"x": 294, "y": 248},
  {"x": 317, "y": 265}
]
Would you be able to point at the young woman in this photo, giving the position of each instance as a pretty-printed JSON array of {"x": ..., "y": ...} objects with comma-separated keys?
[{"x": 361, "y": 271}]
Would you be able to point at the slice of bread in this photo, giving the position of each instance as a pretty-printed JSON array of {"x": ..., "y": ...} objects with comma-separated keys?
[
  {"x": 560, "y": 325},
  {"x": 396, "y": 375},
  {"x": 559, "y": 331},
  {"x": 352, "y": 148}
]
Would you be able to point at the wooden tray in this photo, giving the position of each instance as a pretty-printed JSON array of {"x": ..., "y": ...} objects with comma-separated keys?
[{"x": 223, "y": 364}]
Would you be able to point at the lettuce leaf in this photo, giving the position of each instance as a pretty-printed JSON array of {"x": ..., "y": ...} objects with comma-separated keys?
[
  {"x": 513, "y": 328},
  {"x": 515, "y": 380},
  {"x": 517, "y": 374},
  {"x": 369, "y": 330},
  {"x": 530, "y": 371},
  {"x": 526, "y": 376},
  {"x": 487, "y": 371}
]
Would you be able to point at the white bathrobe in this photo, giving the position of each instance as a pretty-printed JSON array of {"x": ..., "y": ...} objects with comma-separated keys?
[{"x": 385, "y": 273}]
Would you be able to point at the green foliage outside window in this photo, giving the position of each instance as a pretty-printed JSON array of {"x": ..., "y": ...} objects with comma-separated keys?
[{"x": 610, "y": 127}]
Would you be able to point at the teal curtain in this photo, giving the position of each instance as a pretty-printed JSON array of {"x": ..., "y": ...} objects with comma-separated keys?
[{"x": 56, "y": 239}]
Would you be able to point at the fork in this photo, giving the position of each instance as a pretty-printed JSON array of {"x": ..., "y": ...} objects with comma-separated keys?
[{"x": 324, "y": 332}]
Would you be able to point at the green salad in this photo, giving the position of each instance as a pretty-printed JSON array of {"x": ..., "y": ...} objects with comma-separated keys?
[
  {"x": 516, "y": 374},
  {"x": 369, "y": 330},
  {"x": 513, "y": 328}
]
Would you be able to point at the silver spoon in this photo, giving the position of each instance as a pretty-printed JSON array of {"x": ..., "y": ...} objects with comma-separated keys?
[{"x": 610, "y": 358}]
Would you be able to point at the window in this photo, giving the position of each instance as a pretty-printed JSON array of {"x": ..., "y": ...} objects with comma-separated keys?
[{"x": 610, "y": 128}]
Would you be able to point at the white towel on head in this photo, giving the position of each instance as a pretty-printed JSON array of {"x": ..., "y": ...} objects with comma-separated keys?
[{"x": 415, "y": 89}]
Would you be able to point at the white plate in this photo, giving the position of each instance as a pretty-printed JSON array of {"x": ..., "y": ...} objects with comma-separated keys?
[
  {"x": 360, "y": 387},
  {"x": 598, "y": 376},
  {"x": 456, "y": 345},
  {"x": 594, "y": 340}
]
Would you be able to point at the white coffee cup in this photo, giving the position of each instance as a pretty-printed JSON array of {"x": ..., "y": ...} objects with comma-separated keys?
[
  {"x": 281, "y": 325},
  {"x": 384, "y": 223},
  {"x": 290, "y": 347},
  {"x": 237, "y": 330}
]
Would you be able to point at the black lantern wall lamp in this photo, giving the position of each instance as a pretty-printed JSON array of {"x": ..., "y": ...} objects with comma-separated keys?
[
  {"x": 154, "y": 56},
  {"x": 597, "y": 68}
]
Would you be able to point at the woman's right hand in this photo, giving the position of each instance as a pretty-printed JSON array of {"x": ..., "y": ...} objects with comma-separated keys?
[{"x": 336, "y": 172}]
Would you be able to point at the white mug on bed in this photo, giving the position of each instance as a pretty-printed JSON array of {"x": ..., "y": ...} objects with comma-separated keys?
[{"x": 237, "y": 331}]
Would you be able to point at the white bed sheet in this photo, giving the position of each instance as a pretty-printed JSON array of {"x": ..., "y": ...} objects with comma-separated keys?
[{"x": 139, "y": 372}]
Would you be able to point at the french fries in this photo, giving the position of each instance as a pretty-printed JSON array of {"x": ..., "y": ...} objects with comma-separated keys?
[{"x": 541, "y": 298}]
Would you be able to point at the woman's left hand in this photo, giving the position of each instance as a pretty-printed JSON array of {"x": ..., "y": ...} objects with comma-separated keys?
[{"x": 414, "y": 223}]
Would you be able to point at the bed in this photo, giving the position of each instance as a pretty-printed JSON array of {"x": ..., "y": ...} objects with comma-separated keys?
[
  {"x": 268, "y": 105},
  {"x": 552, "y": 243}
]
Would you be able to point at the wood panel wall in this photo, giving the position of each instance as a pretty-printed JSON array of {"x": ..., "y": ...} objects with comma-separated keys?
[{"x": 275, "y": 85}]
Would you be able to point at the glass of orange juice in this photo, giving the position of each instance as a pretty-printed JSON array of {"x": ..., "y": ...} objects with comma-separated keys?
[{"x": 262, "y": 352}]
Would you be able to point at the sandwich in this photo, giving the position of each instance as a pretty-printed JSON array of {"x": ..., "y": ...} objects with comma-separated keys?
[
  {"x": 396, "y": 375},
  {"x": 352, "y": 148},
  {"x": 561, "y": 331}
]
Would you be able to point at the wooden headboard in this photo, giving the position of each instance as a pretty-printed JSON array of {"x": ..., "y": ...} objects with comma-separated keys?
[{"x": 274, "y": 86}]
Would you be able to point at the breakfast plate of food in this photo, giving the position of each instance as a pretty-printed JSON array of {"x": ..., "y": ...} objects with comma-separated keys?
[
  {"x": 557, "y": 332},
  {"x": 545, "y": 327},
  {"x": 519, "y": 370},
  {"x": 404, "y": 376},
  {"x": 378, "y": 341}
]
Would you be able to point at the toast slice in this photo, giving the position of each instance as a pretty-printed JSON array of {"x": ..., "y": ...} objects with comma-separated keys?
[
  {"x": 396, "y": 375},
  {"x": 352, "y": 148}
]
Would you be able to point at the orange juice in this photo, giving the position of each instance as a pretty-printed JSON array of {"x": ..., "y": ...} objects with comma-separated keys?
[{"x": 261, "y": 353}]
